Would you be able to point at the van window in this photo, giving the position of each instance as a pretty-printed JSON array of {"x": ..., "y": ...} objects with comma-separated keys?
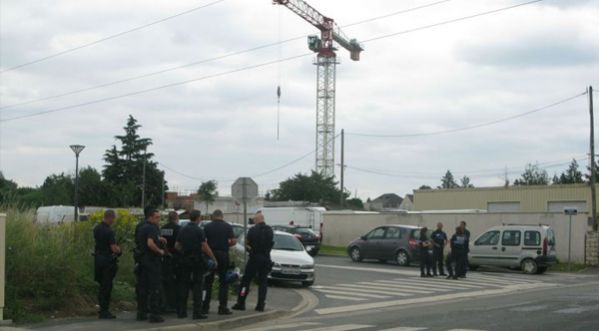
[
  {"x": 392, "y": 233},
  {"x": 377, "y": 233},
  {"x": 510, "y": 238},
  {"x": 488, "y": 239},
  {"x": 532, "y": 238},
  {"x": 550, "y": 237}
]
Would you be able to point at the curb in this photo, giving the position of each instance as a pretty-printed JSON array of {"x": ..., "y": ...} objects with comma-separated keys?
[{"x": 224, "y": 324}]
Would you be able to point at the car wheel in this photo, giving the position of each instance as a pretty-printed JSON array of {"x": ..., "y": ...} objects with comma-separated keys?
[
  {"x": 541, "y": 270},
  {"x": 402, "y": 258},
  {"x": 529, "y": 266},
  {"x": 355, "y": 254},
  {"x": 308, "y": 283}
]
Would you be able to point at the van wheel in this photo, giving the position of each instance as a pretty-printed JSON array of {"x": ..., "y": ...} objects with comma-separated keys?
[
  {"x": 402, "y": 258},
  {"x": 541, "y": 270},
  {"x": 529, "y": 266},
  {"x": 355, "y": 254}
]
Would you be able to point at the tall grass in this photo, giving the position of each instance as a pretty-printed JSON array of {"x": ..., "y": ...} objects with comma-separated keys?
[{"x": 49, "y": 268}]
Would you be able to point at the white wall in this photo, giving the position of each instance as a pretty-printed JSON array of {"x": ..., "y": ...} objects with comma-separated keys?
[{"x": 341, "y": 228}]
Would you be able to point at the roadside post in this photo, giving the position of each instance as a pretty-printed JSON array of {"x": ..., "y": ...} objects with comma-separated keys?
[
  {"x": 244, "y": 189},
  {"x": 2, "y": 263},
  {"x": 570, "y": 211}
]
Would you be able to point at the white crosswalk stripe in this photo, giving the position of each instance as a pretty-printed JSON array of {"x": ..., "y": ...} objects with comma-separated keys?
[
  {"x": 450, "y": 285},
  {"x": 406, "y": 289},
  {"x": 344, "y": 327},
  {"x": 284, "y": 326},
  {"x": 341, "y": 297},
  {"x": 393, "y": 283},
  {"x": 350, "y": 290},
  {"x": 365, "y": 295},
  {"x": 401, "y": 328}
]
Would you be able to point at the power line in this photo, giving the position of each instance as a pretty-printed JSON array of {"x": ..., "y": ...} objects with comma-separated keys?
[
  {"x": 470, "y": 127},
  {"x": 110, "y": 37},
  {"x": 237, "y": 70},
  {"x": 207, "y": 60},
  {"x": 120, "y": 96}
]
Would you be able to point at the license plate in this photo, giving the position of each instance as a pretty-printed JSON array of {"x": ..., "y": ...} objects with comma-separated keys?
[
  {"x": 309, "y": 248},
  {"x": 290, "y": 271}
]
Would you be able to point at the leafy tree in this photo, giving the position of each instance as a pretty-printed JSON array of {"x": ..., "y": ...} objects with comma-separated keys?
[
  {"x": 58, "y": 190},
  {"x": 354, "y": 204},
  {"x": 123, "y": 171},
  {"x": 571, "y": 176},
  {"x": 313, "y": 188},
  {"x": 447, "y": 181},
  {"x": 207, "y": 192},
  {"x": 533, "y": 175},
  {"x": 93, "y": 191},
  {"x": 425, "y": 187},
  {"x": 465, "y": 182}
]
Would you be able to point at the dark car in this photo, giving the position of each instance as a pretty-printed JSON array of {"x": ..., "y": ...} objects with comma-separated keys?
[
  {"x": 387, "y": 242},
  {"x": 306, "y": 235}
]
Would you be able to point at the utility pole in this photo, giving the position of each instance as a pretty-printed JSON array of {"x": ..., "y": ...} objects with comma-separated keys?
[
  {"x": 77, "y": 150},
  {"x": 143, "y": 183},
  {"x": 593, "y": 190},
  {"x": 342, "y": 197}
]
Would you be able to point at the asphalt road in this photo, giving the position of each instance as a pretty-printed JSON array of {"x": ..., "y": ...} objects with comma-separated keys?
[{"x": 375, "y": 296}]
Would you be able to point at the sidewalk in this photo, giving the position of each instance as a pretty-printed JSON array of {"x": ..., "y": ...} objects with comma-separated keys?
[{"x": 281, "y": 301}]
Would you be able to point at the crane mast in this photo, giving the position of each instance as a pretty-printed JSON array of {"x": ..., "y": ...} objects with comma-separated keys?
[{"x": 326, "y": 62}]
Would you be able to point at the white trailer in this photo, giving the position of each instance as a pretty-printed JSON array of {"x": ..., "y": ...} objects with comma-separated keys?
[{"x": 302, "y": 216}]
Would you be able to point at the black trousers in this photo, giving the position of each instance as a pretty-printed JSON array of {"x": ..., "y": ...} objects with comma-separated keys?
[
  {"x": 456, "y": 259},
  {"x": 149, "y": 279},
  {"x": 169, "y": 282},
  {"x": 105, "y": 271},
  {"x": 461, "y": 263},
  {"x": 191, "y": 277},
  {"x": 258, "y": 265},
  {"x": 223, "y": 292},
  {"x": 438, "y": 260},
  {"x": 425, "y": 261}
]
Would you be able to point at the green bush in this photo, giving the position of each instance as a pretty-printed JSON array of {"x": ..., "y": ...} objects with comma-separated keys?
[{"x": 49, "y": 268}]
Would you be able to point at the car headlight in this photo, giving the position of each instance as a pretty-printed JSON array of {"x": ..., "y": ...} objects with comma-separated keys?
[{"x": 307, "y": 266}]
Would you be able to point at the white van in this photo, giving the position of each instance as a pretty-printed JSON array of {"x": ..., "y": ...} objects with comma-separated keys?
[{"x": 529, "y": 247}]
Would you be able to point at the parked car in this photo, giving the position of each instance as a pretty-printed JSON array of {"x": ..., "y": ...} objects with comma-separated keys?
[
  {"x": 529, "y": 247},
  {"x": 387, "y": 242},
  {"x": 306, "y": 235},
  {"x": 291, "y": 261}
]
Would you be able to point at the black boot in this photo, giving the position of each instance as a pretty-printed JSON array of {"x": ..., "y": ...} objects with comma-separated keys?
[
  {"x": 156, "y": 319},
  {"x": 105, "y": 315},
  {"x": 260, "y": 307},
  {"x": 224, "y": 311},
  {"x": 142, "y": 316},
  {"x": 238, "y": 306}
]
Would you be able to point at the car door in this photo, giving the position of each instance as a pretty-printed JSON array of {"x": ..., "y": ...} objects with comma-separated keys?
[
  {"x": 485, "y": 248},
  {"x": 511, "y": 248},
  {"x": 390, "y": 243},
  {"x": 372, "y": 244}
]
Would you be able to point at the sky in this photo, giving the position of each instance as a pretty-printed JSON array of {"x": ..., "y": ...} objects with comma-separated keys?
[{"x": 215, "y": 121}]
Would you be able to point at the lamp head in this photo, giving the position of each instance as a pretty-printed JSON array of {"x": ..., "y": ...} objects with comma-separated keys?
[{"x": 77, "y": 149}]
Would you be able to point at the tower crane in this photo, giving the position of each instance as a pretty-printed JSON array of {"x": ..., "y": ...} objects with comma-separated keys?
[{"x": 326, "y": 61}]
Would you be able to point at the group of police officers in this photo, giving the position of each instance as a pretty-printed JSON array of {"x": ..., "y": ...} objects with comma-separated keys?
[
  {"x": 172, "y": 261},
  {"x": 432, "y": 252}
]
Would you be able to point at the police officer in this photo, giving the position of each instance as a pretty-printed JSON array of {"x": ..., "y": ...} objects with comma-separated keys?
[
  {"x": 439, "y": 242},
  {"x": 259, "y": 243},
  {"x": 191, "y": 243},
  {"x": 458, "y": 244},
  {"x": 105, "y": 262},
  {"x": 140, "y": 286},
  {"x": 466, "y": 233},
  {"x": 425, "y": 245},
  {"x": 169, "y": 262},
  {"x": 150, "y": 268},
  {"x": 220, "y": 237}
]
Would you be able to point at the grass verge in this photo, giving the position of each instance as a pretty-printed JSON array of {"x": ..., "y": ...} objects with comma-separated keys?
[
  {"x": 563, "y": 267},
  {"x": 332, "y": 250}
]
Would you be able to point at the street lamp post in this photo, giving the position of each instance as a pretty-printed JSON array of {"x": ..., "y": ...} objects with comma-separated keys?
[{"x": 77, "y": 149}]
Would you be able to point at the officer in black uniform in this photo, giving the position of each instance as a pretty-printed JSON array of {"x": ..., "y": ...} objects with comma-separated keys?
[
  {"x": 169, "y": 262},
  {"x": 140, "y": 287},
  {"x": 462, "y": 272},
  {"x": 105, "y": 262},
  {"x": 259, "y": 243},
  {"x": 150, "y": 268},
  {"x": 191, "y": 243},
  {"x": 439, "y": 242},
  {"x": 459, "y": 253},
  {"x": 220, "y": 237},
  {"x": 425, "y": 253}
]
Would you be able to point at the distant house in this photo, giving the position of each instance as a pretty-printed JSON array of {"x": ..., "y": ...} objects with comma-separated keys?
[
  {"x": 408, "y": 202},
  {"x": 385, "y": 201}
]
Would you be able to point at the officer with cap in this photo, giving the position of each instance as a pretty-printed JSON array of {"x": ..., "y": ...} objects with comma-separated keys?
[
  {"x": 259, "y": 243},
  {"x": 150, "y": 267},
  {"x": 105, "y": 261},
  {"x": 191, "y": 243},
  {"x": 169, "y": 262}
]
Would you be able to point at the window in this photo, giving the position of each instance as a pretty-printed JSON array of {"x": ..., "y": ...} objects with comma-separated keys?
[
  {"x": 392, "y": 233},
  {"x": 490, "y": 238},
  {"x": 377, "y": 233},
  {"x": 511, "y": 238},
  {"x": 532, "y": 238},
  {"x": 550, "y": 237}
]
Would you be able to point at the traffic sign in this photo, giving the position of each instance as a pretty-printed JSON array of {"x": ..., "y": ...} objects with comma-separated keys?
[{"x": 244, "y": 189}]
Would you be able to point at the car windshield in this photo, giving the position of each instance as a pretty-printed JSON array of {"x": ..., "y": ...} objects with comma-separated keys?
[
  {"x": 305, "y": 231},
  {"x": 287, "y": 243}
]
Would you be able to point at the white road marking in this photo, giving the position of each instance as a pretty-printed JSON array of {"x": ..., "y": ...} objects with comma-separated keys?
[
  {"x": 371, "y": 270},
  {"x": 417, "y": 287},
  {"x": 401, "y": 328},
  {"x": 445, "y": 283},
  {"x": 388, "y": 287},
  {"x": 503, "y": 278},
  {"x": 341, "y": 297},
  {"x": 437, "y": 298},
  {"x": 465, "y": 330},
  {"x": 345, "y": 327},
  {"x": 284, "y": 326},
  {"x": 524, "y": 278},
  {"x": 350, "y": 290},
  {"x": 454, "y": 285},
  {"x": 365, "y": 295}
]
